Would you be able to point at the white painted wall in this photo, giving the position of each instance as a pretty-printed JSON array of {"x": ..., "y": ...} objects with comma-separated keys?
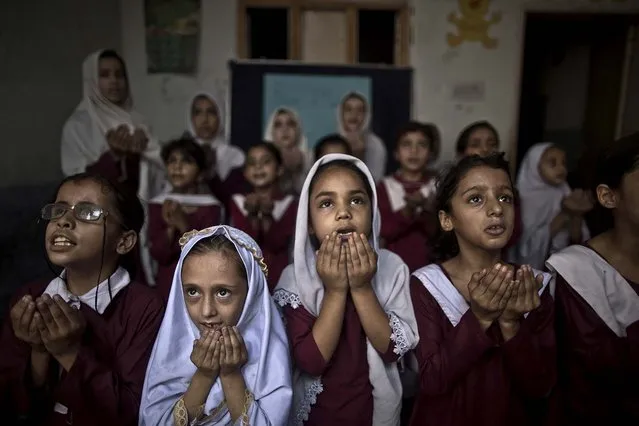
[{"x": 42, "y": 46}]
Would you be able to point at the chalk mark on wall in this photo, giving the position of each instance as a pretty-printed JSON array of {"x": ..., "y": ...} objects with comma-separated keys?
[{"x": 472, "y": 23}]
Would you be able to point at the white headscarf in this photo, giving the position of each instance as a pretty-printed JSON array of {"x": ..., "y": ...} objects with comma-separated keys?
[
  {"x": 540, "y": 203},
  {"x": 267, "y": 372},
  {"x": 83, "y": 135},
  {"x": 302, "y": 143},
  {"x": 300, "y": 285},
  {"x": 227, "y": 156},
  {"x": 375, "y": 156}
]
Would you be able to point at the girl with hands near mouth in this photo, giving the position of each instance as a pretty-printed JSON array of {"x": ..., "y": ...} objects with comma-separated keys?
[
  {"x": 487, "y": 345},
  {"x": 221, "y": 356},
  {"x": 346, "y": 302},
  {"x": 75, "y": 349}
]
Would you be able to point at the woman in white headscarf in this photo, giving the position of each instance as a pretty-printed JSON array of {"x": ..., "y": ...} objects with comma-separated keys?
[
  {"x": 205, "y": 123},
  {"x": 345, "y": 341},
  {"x": 353, "y": 122},
  {"x": 551, "y": 213},
  {"x": 284, "y": 129},
  {"x": 219, "y": 289},
  {"x": 106, "y": 135}
]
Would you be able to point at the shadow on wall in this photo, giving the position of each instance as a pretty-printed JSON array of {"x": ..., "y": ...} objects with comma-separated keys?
[{"x": 22, "y": 256}]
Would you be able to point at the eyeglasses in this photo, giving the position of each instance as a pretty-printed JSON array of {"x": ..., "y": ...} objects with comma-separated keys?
[{"x": 86, "y": 212}]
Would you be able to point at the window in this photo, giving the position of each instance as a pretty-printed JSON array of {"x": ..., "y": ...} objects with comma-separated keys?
[
  {"x": 376, "y": 37},
  {"x": 340, "y": 31},
  {"x": 267, "y": 33}
]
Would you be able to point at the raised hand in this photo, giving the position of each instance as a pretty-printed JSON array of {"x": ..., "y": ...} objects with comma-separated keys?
[
  {"x": 357, "y": 143},
  {"x": 361, "y": 261},
  {"x": 61, "y": 326},
  {"x": 525, "y": 295},
  {"x": 206, "y": 354},
  {"x": 266, "y": 205},
  {"x": 489, "y": 293},
  {"x": 119, "y": 140},
  {"x": 139, "y": 141},
  {"x": 24, "y": 323},
  {"x": 252, "y": 204},
  {"x": 578, "y": 202},
  {"x": 331, "y": 264},
  {"x": 233, "y": 354}
]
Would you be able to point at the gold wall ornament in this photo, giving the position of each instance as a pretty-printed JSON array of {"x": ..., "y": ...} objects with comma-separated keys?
[{"x": 472, "y": 23}]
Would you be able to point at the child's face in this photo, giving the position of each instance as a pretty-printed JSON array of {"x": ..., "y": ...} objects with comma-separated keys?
[
  {"x": 552, "y": 166},
  {"x": 482, "y": 213},
  {"x": 214, "y": 290},
  {"x": 205, "y": 118},
  {"x": 353, "y": 114},
  {"x": 333, "y": 148},
  {"x": 261, "y": 169},
  {"x": 284, "y": 130},
  {"x": 112, "y": 80},
  {"x": 413, "y": 150},
  {"x": 339, "y": 202},
  {"x": 481, "y": 142},
  {"x": 77, "y": 244},
  {"x": 183, "y": 171}
]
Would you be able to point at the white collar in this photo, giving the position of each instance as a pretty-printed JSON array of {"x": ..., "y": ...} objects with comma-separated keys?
[{"x": 118, "y": 281}]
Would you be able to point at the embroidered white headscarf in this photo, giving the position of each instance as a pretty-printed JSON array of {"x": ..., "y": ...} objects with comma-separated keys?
[
  {"x": 376, "y": 154},
  {"x": 300, "y": 285},
  {"x": 540, "y": 203},
  {"x": 227, "y": 156},
  {"x": 267, "y": 372},
  {"x": 307, "y": 158}
]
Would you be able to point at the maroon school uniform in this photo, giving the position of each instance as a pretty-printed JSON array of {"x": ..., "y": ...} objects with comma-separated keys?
[
  {"x": 235, "y": 183},
  {"x": 599, "y": 371},
  {"x": 167, "y": 253},
  {"x": 472, "y": 377},
  {"x": 104, "y": 386},
  {"x": 275, "y": 243},
  {"x": 409, "y": 238},
  {"x": 347, "y": 398},
  {"x": 125, "y": 172}
]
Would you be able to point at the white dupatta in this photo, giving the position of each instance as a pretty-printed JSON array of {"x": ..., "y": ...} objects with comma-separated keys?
[
  {"x": 227, "y": 156},
  {"x": 267, "y": 373},
  {"x": 376, "y": 154},
  {"x": 300, "y": 285},
  {"x": 600, "y": 285}
]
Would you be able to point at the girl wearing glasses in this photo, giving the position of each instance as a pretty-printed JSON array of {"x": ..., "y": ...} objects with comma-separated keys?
[{"x": 75, "y": 349}]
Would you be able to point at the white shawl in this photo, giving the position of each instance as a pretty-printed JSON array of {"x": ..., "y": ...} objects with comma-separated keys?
[
  {"x": 300, "y": 285},
  {"x": 540, "y": 203},
  {"x": 302, "y": 143},
  {"x": 601, "y": 286},
  {"x": 227, "y": 156},
  {"x": 267, "y": 372},
  {"x": 376, "y": 154}
]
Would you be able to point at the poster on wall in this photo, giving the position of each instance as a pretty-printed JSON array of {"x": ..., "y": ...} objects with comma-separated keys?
[
  {"x": 172, "y": 35},
  {"x": 315, "y": 99}
]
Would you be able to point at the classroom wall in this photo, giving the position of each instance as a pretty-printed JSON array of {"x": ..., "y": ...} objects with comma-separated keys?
[
  {"x": 37, "y": 60},
  {"x": 42, "y": 46}
]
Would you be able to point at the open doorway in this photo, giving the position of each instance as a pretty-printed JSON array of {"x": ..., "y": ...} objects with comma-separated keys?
[{"x": 572, "y": 76}]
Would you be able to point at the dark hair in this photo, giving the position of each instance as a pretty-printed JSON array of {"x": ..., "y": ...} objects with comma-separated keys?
[
  {"x": 464, "y": 136},
  {"x": 271, "y": 148},
  {"x": 188, "y": 147},
  {"x": 203, "y": 96},
  {"x": 429, "y": 130},
  {"x": 124, "y": 203},
  {"x": 328, "y": 140},
  {"x": 446, "y": 246},
  {"x": 355, "y": 95},
  {"x": 613, "y": 163},
  {"x": 219, "y": 244},
  {"x": 344, "y": 164},
  {"x": 112, "y": 54}
]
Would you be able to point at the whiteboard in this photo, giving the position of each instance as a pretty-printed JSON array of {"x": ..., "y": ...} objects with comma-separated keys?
[{"x": 315, "y": 98}]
